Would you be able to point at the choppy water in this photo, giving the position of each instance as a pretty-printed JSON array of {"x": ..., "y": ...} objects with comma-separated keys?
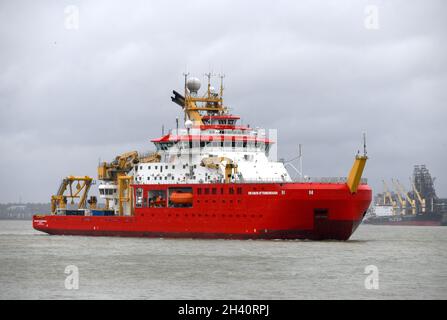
[{"x": 412, "y": 263}]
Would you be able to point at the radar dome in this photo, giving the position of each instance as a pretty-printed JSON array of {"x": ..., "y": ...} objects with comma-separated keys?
[{"x": 193, "y": 85}]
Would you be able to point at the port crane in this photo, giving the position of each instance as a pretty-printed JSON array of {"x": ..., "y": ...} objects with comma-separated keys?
[
  {"x": 418, "y": 196},
  {"x": 402, "y": 202},
  {"x": 388, "y": 196},
  {"x": 412, "y": 202}
]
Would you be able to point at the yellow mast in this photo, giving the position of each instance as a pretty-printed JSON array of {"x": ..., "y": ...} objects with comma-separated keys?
[
  {"x": 356, "y": 172},
  {"x": 194, "y": 104}
]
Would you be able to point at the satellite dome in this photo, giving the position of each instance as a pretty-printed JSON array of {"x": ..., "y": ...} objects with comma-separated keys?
[{"x": 193, "y": 85}]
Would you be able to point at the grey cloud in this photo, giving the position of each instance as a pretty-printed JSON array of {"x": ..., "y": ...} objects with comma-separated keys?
[{"x": 308, "y": 68}]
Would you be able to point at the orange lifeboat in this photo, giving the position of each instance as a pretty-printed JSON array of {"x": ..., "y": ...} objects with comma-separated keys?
[{"x": 181, "y": 197}]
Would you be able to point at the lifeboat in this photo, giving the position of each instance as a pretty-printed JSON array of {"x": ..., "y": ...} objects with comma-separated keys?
[{"x": 181, "y": 197}]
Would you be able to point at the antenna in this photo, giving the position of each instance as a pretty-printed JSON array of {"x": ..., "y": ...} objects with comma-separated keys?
[
  {"x": 209, "y": 75},
  {"x": 221, "y": 76},
  {"x": 185, "y": 74},
  {"x": 364, "y": 143}
]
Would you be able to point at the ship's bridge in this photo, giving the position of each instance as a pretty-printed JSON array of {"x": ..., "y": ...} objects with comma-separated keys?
[{"x": 233, "y": 139}]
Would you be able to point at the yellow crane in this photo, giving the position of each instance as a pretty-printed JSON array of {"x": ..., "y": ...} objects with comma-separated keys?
[
  {"x": 116, "y": 172},
  {"x": 229, "y": 168},
  {"x": 418, "y": 196},
  {"x": 412, "y": 202},
  {"x": 355, "y": 175},
  {"x": 387, "y": 195},
  {"x": 152, "y": 157},
  {"x": 125, "y": 195},
  {"x": 59, "y": 200},
  {"x": 402, "y": 202},
  {"x": 109, "y": 171}
]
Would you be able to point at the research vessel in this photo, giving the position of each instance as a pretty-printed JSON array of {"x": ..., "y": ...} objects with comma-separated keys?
[{"x": 212, "y": 178}]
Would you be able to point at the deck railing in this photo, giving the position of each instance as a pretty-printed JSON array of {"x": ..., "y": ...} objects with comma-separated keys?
[{"x": 338, "y": 180}]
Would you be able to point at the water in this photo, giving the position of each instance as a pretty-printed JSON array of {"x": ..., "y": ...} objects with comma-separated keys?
[{"x": 412, "y": 264}]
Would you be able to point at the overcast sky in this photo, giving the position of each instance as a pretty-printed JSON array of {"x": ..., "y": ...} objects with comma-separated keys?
[{"x": 86, "y": 80}]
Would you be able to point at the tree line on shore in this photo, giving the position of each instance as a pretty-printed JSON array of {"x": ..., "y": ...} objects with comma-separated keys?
[{"x": 22, "y": 211}]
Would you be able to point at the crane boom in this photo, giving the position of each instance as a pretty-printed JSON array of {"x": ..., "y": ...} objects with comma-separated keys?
[
  {"x": 59, "y": 200},
  {"x": 402, "y": 202},
  {"x": 229, "y": 168},
  {"x": 387, "y": 195},
  {"x": 412, "y": 202},
  {"x": 109, "y": 171},
  {"x": 418, "y": 196}
]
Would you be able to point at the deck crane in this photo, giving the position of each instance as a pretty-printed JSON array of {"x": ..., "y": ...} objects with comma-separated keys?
[
  {"x": 412, "y": 202},
  {"x": 115, "y": 173},
  {"x": 402, "y": 202},
  {"x": 229, "y": 168},
  {"x": 109, "y": 171},
  {"x": 389, "y": 197},
  {"x": 59, "y": 200},
  {"x": 418, "y": 196}
]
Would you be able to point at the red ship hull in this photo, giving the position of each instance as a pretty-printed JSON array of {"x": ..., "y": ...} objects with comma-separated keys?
[{"x": 315, "y": 211}]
